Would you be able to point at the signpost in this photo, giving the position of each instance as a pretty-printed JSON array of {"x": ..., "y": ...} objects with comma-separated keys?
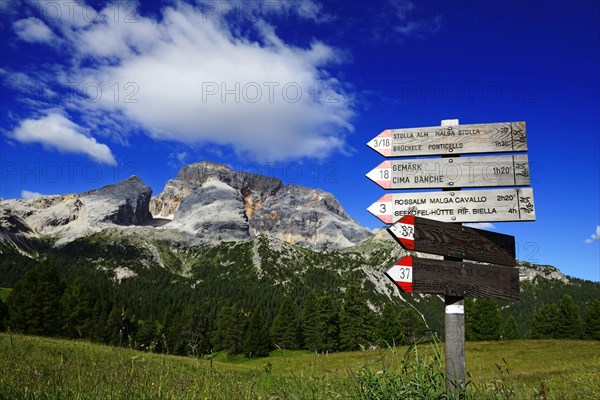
[
  {"x": 452, "y": 240},
  {"x": 458, "y": 206},
  {"x": 501, "y": 137},
  {"x": 454, "y": 172},
  {"x": 441, "y": 232},
  {"x": 454, "y": 278}
]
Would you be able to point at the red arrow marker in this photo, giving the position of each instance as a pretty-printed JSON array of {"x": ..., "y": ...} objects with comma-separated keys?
[
  {"x": 404, "y": 231},
  {"x": 402, "y": 274},
  {"x": 382, "y": 175},
  {"x": 382, "y": 209},
  {"x": 382, "y": 143}
]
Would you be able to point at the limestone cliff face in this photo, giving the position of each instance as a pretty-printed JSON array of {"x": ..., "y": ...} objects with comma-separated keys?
[
  {"x": 124, "y": 203},
  {"x": 296, "y": 214},
  {"x": 253, "y": 188},
  {"x": 67, "y": 217},
  {"x": 307, "y": 216}
]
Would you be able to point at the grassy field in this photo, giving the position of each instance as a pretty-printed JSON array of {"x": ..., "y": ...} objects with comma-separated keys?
[{"x": 32, "y": 367}]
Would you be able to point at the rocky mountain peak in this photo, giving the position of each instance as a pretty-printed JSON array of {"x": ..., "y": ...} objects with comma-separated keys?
[
  {"x": 123, "y": 203},
  {"x": 293, "y": 213}
]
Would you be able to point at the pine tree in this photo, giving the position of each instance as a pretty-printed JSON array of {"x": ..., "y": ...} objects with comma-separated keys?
[
  {"x": 328, "y": 325},
  {"x": 354, "y": 319},
  {"x": 310, "y": 322},
  {"x": 569, "y": 320},
  {"x": 485, "y": 320},
  {"x": 511, "y": 331},
  {"x": 413, "y": 326},
  {"x": 257, "y": 342},
  {"x": 34, "y": 304},
  {"x": 78, "y": 301},
  {"x": 284, "y": 329},
  {"x": 3, "y": 316},
  {"x": 388, "y": 331},
  {"x": 544, "y": 323},
  {"x": 592, "y": 321},
  {"x": 229, "y": 332},
  {"x": 222, "y": 333}
]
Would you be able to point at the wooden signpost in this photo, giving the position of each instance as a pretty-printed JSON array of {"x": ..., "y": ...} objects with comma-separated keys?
[
  {"x": 458, "y": 206},
  {"x": 502, "y": 137},
  {"x": 452, "y": 240},
  {"x": 429, "y": 222},
  {"x": 454, "y": 278},
  {"x": 452, "y": 172}
]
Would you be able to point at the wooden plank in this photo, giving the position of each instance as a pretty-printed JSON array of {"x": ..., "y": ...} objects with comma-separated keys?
[
  {"x": 452, "y": 172},
  {"x": 452, "y": 240},
  {"x": 455, "y": 278},
  {"x": 500, "y": 137},
  {"x": 458, "y": 206}
]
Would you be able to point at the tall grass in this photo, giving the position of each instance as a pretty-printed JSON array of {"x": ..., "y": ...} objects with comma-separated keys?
[{"x": 42, "y": 368}]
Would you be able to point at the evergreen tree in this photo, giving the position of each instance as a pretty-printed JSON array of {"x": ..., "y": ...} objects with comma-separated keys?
[
  {"x": 544, "y": 323},
  {"x": 328, "y": 325},
  {"x": 413, "y": 326},
  {"x": 229, "y": 332},
  {"x": 284, "y": 329},
  {"x": 195, "y": 330},
  {"x": 388, "y": 331},
  {"x": 511, "y": 331},
  {"x": 146, "y": 335},
  {"x": 310, "y": 322},
  {"x": 485, "y": 320},
  {"x": 569, "y": 320},
  {"x": 78, "y": 302},
  {"x": 257, "y": 342},
  {"x": 116, "y": 327},
  {"x": 592, "y": 321},
  {"x": 221, "y": 334},
  {"x": 3, "y": 316},
  {"x": 35, "y": 303},
  {"x": 354, "y": 319}
]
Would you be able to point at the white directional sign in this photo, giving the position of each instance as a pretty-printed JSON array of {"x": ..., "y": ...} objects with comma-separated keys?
[
  {"x": 458, "y": 206},
  {"x": 453, "y": 172},
  {"x": 501, "y": 137}
]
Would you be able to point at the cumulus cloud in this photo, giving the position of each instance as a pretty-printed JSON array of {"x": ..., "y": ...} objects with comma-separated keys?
[
  {"x": 480, "y": 225},
  {"x": 27, "y": 195},
  {"x": 187, "y": 75},
  {"x": 33, "y": 30},
  {"x": 55, "y": 131},
  {"x": 595, "y": 236}
]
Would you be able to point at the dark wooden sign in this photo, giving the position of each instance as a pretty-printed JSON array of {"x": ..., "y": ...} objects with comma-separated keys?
[
  {"x": 452, "y": 240},
  {"x": 455, "y": 278},
  {"x": 492, "y": 205},
  {"x": 452, "y": 172},
  {"x": 503, "y": 137}
]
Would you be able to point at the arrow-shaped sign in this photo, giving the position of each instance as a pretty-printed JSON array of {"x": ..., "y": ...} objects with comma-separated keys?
[
  {"x": 452, "y": 240},
  {"x": 455, "y": 278},
  {"x": 458, "y": 206},
  {"x": 453, "y": 172},
  {"x": 458, "y": 139}
]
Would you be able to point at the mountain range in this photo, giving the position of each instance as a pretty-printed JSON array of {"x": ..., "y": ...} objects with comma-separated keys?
[{"x": 223, "y": 236}]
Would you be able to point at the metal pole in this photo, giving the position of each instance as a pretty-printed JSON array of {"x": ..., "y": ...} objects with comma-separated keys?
[{"x": 454, "y": 323}]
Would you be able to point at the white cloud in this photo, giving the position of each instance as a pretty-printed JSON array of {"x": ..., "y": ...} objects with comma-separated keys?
[
  {"x": 33, "y": 30},
  {"x": 27, "y": 195},
  {"x": 191, "y": 77},
  {"x": 54, "y": 131},
  {"x": 595, "y": 236},
  {"x": 480, "y": 225}
]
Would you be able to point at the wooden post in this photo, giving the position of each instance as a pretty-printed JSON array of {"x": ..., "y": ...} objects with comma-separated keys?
[{"x": 454, "y": 323}]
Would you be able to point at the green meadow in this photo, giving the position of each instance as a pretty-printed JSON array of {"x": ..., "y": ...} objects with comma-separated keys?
[{"x": 43, "y": 368}]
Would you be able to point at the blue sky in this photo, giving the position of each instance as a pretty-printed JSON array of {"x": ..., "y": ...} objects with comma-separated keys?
[{"x": 93, "y": 92}]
